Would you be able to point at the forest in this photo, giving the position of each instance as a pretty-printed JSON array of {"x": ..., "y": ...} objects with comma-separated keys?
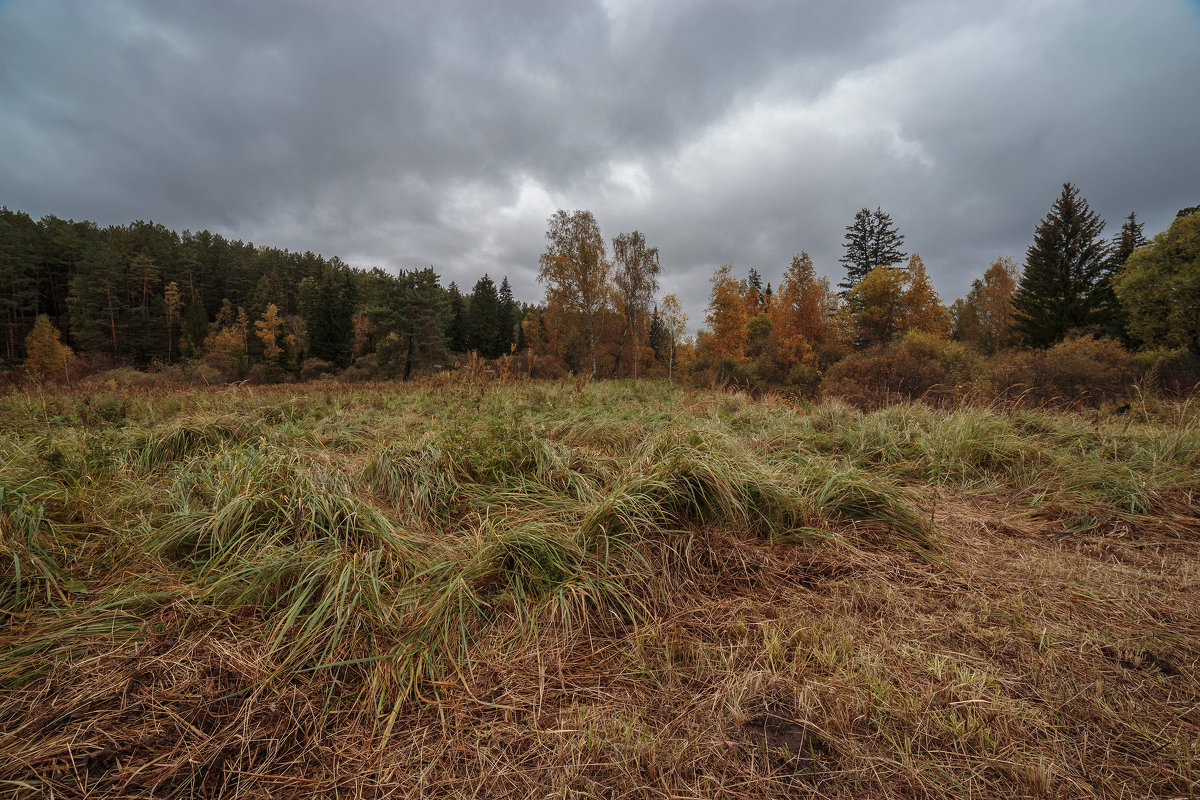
[{"x": 1082, "y": 316}]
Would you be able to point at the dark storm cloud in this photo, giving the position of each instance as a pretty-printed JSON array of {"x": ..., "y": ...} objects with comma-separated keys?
[{"x": 406, "y": 134}]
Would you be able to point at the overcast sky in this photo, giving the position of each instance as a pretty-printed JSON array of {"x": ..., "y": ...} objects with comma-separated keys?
[{"x": 409, "y": 134}]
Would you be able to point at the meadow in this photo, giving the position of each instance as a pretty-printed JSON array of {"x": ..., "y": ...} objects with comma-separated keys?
[{"x": 617, "y": 589}]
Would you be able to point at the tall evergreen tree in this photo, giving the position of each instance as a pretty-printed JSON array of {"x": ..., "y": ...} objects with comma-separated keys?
[
  {"x": 1129, "y": 239},
  {"x": 414, "y": 310},
  {"x": 18, "y": 280},
  {"x": 97, "y": 300},
  {"x": 456, "y": 320},
  {"x": 328, "y": 300},
  {"x": 509, "y": 313},
  {"x": 483, "y": 319},
  {"x": 871, "y": 241},
  {"x": 1063, "y": 286}
]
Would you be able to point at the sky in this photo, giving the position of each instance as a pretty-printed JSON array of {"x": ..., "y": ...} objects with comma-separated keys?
[{"x": 441, "y": 133}]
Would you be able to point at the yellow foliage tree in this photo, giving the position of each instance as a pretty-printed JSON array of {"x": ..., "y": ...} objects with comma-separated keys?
[
  {"x": 46, "y": 356},
  {"x": 225, "y": 344},
  {"x": 267, "y": 330},
  {"x": 576, "y": 273},
  {"x": 877, "y": 305}
]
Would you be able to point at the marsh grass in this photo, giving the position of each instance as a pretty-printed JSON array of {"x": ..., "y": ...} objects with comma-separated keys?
[{"x": 611, "y": 589}]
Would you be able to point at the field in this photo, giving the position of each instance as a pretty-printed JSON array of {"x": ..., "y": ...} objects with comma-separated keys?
[{"x": 593, "y": 590}]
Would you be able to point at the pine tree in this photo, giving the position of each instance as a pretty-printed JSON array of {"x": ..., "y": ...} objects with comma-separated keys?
[
  {"x": 1064, "y": 268},
  {"x": 328, "y": 300},
  {"x": 871, "y": 241}
]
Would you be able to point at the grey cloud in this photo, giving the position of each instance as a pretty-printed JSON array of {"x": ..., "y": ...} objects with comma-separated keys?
[{"x": 419, "y": 133}]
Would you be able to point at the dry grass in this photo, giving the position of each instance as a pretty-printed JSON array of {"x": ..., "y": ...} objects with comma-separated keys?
[{"x": 614, "y": 591}]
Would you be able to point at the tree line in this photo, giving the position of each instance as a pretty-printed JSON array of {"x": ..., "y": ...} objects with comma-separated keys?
[
  {"x": 1141, "y": 293},
  {"x": 142, "y": 294}
]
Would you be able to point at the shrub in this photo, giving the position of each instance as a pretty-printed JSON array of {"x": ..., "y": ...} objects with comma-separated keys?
[
  {"x": 1174, "y": 371},
  {"x": 1077, "y": 369},
  {"x": 916, "y": 366},
  {"x": 356, "y": 374},
  {"x": 265, "y": 373},
  {"x": 313, "y": 368}
]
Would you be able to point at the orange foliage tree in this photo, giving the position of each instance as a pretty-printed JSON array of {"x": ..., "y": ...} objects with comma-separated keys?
[
  {"x": 726, "y": 316},
  {"x": 923, "y": 307}
]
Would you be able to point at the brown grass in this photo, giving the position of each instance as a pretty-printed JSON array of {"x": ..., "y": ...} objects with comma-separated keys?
[
  {"x": 1028, "y": 664},
  {"x": 1021, "y": 659}
]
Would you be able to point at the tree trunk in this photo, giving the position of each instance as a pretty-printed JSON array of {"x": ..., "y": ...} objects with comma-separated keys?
[
  {"x": 112, "y": 319},
  {"x": 408, "y": 358},
  {"x": 592, "y": 343}
]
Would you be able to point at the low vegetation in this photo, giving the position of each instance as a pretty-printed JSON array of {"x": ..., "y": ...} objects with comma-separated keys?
[{"x": 614, "y": 589}]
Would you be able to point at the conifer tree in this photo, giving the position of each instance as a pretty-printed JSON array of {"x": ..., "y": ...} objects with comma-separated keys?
[
  {"x": 328, "y": 300},
  {"x": 456, "y": 320},
  {"x": 483, "y": 319},
  {"x": 1065, "y": 269},
  {"x": 509, "y": 313},
  {"x": 871, "y": 241}
]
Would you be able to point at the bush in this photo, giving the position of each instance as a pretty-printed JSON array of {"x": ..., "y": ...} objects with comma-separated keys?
[
  {"x": 1077, "y": 369},
  {"x": 356, "y": 374},
  {"x": 313, "y": 368},
  {"x": 1173, "y": 371},
  {"x": 125, "y": 377},
  {"x": 265, "y": 373},
  {"x": 915, "y": 366}
]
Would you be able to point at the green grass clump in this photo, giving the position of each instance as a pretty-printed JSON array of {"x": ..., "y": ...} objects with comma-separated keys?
[{"x": 596, "y": 588}]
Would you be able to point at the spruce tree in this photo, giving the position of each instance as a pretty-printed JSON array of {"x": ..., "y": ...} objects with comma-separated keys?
[
  {"x": 456, "y": 320},
  {"x": 1066, "y": 267},
  {"x": 483, "y": 319},
  {"x": 1129, "y": 239},
  {"x": 509, "y": 313},
  {"x": 871, "y": 241}
]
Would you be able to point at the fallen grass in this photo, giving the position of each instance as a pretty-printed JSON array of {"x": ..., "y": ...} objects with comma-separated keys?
[{"x": 619, "y": 589}]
